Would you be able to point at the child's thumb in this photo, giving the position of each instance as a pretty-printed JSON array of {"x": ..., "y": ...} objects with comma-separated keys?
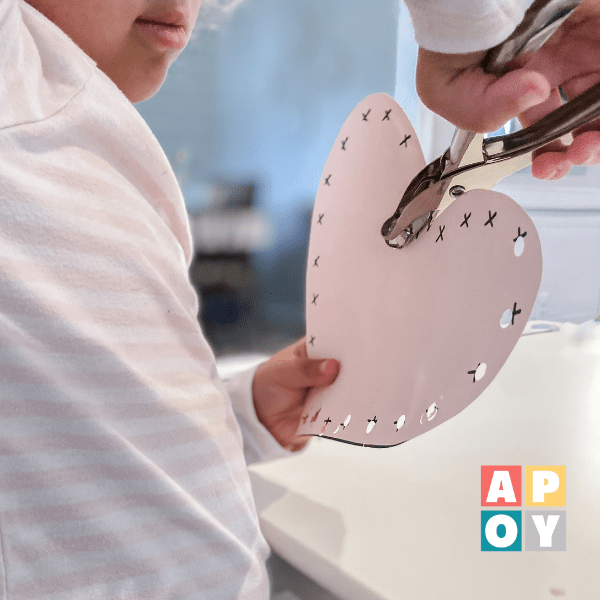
[
  {"x": 323, "y": 372},
  {"x": 309, "y": 372}
]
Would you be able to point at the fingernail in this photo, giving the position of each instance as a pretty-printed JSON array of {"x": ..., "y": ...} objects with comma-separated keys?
[
  {"x": 530, "y": 99},
  {"x": 547, "y": 173},
  {"x": 323, "y": 367}
]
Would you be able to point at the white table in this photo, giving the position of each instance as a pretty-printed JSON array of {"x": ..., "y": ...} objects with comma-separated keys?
[{"x": 404, "y": 523}]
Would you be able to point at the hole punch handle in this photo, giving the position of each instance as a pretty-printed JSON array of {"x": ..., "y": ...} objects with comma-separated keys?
[
  {"x": 540, "y": 21},
  {"x": 427, "y": 194},
  {"x": 577, "y": 112}
]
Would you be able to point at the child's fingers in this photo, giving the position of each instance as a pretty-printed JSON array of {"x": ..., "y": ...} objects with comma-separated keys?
[
  {"x": 315, "y": 372},
  {"x": 312, "y": 372},
  {"x": 299, "y": 348},
  {"x": 302, "y": 373}
]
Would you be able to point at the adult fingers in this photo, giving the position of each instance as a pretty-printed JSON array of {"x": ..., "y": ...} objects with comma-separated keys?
[{"x": 472, "y": 99}]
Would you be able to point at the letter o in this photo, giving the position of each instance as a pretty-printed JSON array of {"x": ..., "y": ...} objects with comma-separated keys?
[{"x": 491, "y": 531}]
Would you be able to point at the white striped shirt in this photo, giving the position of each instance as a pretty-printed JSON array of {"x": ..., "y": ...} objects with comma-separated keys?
[{"x": 122, "y": 471}]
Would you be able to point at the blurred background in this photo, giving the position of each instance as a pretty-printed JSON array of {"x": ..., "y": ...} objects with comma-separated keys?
[{"x": 247, "y": 118}]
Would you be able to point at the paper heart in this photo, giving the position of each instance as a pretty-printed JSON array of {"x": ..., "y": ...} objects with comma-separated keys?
[{"x": 420, "y": 332}]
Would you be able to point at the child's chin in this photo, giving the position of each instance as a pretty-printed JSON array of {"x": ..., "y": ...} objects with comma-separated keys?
[{"x": 138, "y": 91}]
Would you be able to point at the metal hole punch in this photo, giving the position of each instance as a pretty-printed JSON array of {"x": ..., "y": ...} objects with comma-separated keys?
[{"x": 475, "y": 162}]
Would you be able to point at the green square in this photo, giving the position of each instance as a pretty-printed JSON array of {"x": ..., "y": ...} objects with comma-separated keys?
[{"x": 501, "y": 530}]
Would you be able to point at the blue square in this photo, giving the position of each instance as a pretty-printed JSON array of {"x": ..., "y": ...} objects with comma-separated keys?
[{"x": 501, "y": 530}]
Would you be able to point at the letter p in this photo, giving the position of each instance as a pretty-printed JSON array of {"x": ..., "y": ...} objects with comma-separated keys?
[{"x": 546, "y": 486}]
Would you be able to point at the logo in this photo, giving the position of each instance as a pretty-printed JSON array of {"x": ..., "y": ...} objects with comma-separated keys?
[{"x": 538, "y": 493}]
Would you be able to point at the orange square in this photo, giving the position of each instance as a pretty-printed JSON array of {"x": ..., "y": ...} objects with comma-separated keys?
[
  {"x": 501, "y": 485},
  {"x": 546, "y": 485}
]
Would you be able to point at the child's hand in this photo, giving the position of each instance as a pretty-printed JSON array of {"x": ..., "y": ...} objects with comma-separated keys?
[
  {"x": 280, "y": 387},
  {"x": 455, "y": 86}
]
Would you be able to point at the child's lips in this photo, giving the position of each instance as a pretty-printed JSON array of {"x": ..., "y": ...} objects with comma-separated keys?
[{"x": 171, "y": 35}]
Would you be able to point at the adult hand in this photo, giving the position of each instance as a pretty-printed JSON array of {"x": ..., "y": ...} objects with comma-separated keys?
[
  {"x": 456, "y": 87},
  {"x": 280, "y": 388}
]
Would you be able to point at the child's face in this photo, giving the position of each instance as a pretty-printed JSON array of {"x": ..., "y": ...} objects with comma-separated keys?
[{"x": 133, "y": 41}]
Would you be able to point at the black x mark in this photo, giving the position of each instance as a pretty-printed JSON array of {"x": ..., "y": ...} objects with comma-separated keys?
[
  {"x": 490, "y": 221},
  {"x": 515, "y": 312},
  {"x": 466, "y": 221},
  {"x": 365, "y": 115},
  {"x": 320, "y": 221},
  {"x": 327, "y": 180},
  {"x": 405, "y": 140},
  {"x": 373, "y": 420},
  {"x": 387, "y": 115},
  {"x": 344, "y": 144},
  {"x": 441, "y": 236},
  {"x": 314, "y": 301},
  {"x": 316, "y": 261},
  {"x": 312, "y": 340},
  {"x": 519, "y": 234},
  {"x": 473, "y": 373},
  {"x": 327, "y": 421}
]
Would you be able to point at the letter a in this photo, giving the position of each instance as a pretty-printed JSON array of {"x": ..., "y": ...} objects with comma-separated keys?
[{"x": 501, "y": 487}]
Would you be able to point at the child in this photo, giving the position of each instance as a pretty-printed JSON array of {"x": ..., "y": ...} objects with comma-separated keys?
[{"x": 122, "y": 471}]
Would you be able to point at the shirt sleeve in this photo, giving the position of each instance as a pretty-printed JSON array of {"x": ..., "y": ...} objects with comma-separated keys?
[
  {"x": 259, "y": 444},
  {"x": 8, "y": 22},
  {"x": 10, "y": 54},
  {"x": 460, "y": 26},
  {"x": 121, "y": 465}
]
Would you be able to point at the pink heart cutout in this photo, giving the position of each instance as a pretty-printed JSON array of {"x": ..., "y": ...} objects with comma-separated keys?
[{"x": 420, "y": 332}]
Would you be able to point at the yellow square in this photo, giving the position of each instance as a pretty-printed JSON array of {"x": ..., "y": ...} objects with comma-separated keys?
[{"x": 545, "y": 485}]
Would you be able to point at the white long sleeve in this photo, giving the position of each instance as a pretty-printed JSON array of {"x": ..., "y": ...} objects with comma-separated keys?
[
  {"x": 122, "y": 473},
  {"x": 259, "y": 444},
  {"x": 459, "y": 26}
]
